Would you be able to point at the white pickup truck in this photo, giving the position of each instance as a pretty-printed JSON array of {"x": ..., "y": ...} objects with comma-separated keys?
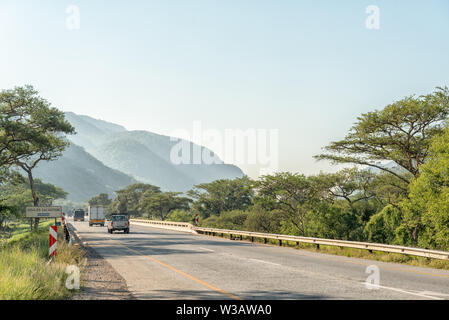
[{"x": 118, "y": 222}]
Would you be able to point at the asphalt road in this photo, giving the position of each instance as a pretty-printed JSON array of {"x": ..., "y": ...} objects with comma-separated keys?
[{"x": 163, "y": 264}]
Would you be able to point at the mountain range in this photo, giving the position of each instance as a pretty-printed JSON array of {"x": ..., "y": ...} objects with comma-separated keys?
[{"x": 104, "y": 157}]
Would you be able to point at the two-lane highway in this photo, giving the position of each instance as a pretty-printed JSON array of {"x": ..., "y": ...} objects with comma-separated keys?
[{"x": 164, "y": 264}]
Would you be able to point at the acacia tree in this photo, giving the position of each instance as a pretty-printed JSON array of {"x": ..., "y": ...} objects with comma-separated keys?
[
  {"x": 222, "y": 195},
  {"x": 127, "y": 199},
  {"x": 159, "y": 205},
  {"x": 351, "y": 184},
  {"x": 293, "y": 194},
  {"x": 401, "y": 132},
  {"x": 32, "y": 131},
  {"x": 101, "y": 200}
]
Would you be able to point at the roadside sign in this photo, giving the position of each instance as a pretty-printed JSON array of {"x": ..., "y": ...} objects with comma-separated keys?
[
  {"x": 53, "y": 237},
  {"x": 43, "y": 212},
  {"x": 197, "y": 217}
]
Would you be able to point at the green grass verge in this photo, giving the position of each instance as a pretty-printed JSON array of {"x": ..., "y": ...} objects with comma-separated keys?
[{"x": 25, "y": 271}]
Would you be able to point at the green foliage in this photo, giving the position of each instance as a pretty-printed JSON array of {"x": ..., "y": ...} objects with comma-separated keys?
[
  {"x": 24, "y": 271},
  {"x": 158, "y": 205},
  {"x": 389, "y": 189},
  {"x": 351, "y": 184},
  {"x": 15, "y": 196},
  {"x": 292, "y": 194},
  {"x": 31, "y": 131},
  {"x": 180, "y": 216},
  {"x": 144, "y": 200},
  {"x": 101, "y": 200},
  {"x": 232, "y": 220},
  {"x": 400, "y": 132},
  {"x": 427, "y": 209},
  {"x": 261, "y": 220},
  {"x": 222, "y": 195},
  {"x": 336, "y": 221},
  {"x": 127, "y": 199},
  {"x": 384, "y": 227}
]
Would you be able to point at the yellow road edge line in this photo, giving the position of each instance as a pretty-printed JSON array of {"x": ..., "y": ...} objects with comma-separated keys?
[{"x": 183, "y": 273}]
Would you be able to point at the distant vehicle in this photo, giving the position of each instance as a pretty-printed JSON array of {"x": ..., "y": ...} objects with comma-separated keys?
[
  {"x": 78, "y": 215},
  {"x": 96, "y": 215},
  {"x": 118, "y": 222}
]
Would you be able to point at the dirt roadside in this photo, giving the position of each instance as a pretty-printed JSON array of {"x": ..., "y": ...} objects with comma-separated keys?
[{"x": 99, "y": 280}]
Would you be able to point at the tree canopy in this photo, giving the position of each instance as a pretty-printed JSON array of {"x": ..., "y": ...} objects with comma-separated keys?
[
  {"x": 427, "y": 208},
  {"x": 31, "y": 131},
  {"x": 289, "y": 192},
  {"x": 401, "y": 132},
  {"x": 101, "y": 200},
  {"x": 222, "y": 195}
]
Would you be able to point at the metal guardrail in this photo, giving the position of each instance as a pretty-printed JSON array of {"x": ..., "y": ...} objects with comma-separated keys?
[
  {"x": 435, "y": 254},
  {"x": 182, "y": 225}
]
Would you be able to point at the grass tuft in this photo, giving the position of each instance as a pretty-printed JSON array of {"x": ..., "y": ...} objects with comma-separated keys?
[{"x": 25, "y": 270}]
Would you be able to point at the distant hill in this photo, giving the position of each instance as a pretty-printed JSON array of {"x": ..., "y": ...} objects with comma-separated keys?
[
  {"x": 81, "y": 175},
  {"x": 143, "y": 155},
  {"x": 88, "y": 129},
  {"x": 390, "y": 165}
]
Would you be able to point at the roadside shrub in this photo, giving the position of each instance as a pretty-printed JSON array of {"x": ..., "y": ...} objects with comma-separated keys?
[
  {"x": 233, "y": 220},
  {"x": 180, "y": 216}
]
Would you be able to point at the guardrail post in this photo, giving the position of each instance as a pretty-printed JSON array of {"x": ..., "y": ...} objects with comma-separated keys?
[
  {"x": 318, "y": 246},
  {"x": 241, "y": 237},
  {"x": 370, "y": 251},
  {"x": 252, "y": 239},
  {"x": 297, "y": 243},
  {"x": 280, "y": 243},
  {"x": 265, "y": 240}
]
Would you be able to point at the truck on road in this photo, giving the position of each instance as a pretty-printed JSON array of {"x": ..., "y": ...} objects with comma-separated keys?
[
  {"x": 96, "y": 215},
  {"x": 118, "y": 222},
  {"x": 78, "y": 215}
]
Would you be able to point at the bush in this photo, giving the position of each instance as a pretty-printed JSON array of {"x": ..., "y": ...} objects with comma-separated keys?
[
  {"x": 384, "y": 227},
  {"x": 233, "y": 220},
  {"x": 180, "y": 216},
  {"x": 261, "y": 220}
]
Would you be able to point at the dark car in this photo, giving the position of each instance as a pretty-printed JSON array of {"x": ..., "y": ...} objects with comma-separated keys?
[{"x": 78, "y": 215}]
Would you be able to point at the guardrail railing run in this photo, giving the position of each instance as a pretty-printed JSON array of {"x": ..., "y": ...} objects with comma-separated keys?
[
  {"x": 434, "y": 254},
  {"x": 182, "y": 226}
]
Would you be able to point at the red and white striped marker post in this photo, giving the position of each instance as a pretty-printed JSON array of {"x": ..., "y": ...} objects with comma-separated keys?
[
  {"x": 197, "y": 219},
  {"x": 53, "y": 241},
  {"x": 63, "y": 218}
]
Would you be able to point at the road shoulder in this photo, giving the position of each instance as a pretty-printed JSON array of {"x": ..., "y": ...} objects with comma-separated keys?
[{"x": 99, "y": 280}]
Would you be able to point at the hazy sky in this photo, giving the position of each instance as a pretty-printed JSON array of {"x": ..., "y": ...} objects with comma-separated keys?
[{"x": 305, "y": 68}]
